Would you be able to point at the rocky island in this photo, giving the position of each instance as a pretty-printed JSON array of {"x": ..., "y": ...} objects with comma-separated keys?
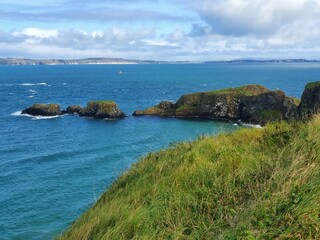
[
  {"x": 250, "y": 104},
  {"x": 41, "y": 109},
  {"x": 95, "y": 109}
]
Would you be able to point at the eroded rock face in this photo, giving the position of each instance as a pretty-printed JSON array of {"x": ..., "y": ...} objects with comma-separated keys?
[
  {"x": 163, "y": 109},
  {"x": 40, "y": 109},
  {"x": 209, "y": 105},
  {"x": 74, "y": 109},
  {"x": 216, "y": 104},
  {"x": 267, "y": 107},
  {"x": 252, "y": 103},
  {"x": 310, "y": 100},
  {"x": 102, "y": 109}
]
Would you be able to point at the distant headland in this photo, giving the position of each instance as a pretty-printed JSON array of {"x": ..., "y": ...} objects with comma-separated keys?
[{"x": 27, "y": 61}]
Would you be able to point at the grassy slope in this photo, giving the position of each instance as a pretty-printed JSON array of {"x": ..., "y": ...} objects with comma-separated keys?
[{"x": 251, "y": 184}]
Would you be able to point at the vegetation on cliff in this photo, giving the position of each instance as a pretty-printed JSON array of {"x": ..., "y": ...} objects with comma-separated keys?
[
  {"x": 310, "y": 101},
  {"x": 102, "y": 109},
  {"x": 250, "y": 184},
  {"x": 40, "y": 109},
  {"x": 248, "y": 103}
]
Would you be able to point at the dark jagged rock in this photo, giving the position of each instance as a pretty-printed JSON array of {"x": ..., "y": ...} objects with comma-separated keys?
[
  {"x": 252, "y": 104},
  {"x": 40, "y": 109},
  {"x": 215, "y": 104},
  {"x": 220, "y": 104},
  {"x": 74, "y": 109},
  {"x": 310, "y": 100},
  {"x": 96, "y": 109},
  {"x": 102, "y": 109},
  {"x": 164, "y": 109},
  {"x": 267, "y": 107}
]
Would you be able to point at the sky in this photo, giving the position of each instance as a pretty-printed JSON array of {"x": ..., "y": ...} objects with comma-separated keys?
[{"x": 176, "y": 30}]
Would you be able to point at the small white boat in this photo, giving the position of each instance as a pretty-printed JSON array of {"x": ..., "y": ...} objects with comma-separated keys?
[{"x": 120, "y": 72}]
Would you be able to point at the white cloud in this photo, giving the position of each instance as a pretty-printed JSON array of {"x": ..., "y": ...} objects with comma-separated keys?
[
  {"x": 224, "y": 29},
  {"x": 36, "y": 33},
  {"x": 177, "y": 36},
  {"x": 255, "y": 17}
]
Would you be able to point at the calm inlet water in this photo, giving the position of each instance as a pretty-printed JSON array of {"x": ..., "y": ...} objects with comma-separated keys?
[{"x": 52, "y": 170}]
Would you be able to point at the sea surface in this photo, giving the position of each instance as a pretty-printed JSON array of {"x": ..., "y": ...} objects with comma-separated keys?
[{"x": 53, "y": 169}]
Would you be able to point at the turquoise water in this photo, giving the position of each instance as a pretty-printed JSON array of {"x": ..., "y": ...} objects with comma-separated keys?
[{"x": 52, "y": 170}]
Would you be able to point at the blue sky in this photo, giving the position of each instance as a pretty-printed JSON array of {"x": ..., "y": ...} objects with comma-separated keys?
[{"x": 160, "y": 29}]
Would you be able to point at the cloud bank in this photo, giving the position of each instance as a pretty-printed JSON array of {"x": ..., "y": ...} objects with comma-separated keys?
[{"x": 203, "y": 30}]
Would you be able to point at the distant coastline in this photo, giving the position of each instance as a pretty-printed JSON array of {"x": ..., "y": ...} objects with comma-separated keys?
[{"x": 97, "y": 61}]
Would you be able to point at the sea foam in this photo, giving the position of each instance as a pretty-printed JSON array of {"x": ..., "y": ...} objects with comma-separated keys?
[
  {"x": 250, "y": 125},
  {"x": 34, "y": 84},
  {"x": 45, "y": 117},
  {"x": 19, "y": 113}
]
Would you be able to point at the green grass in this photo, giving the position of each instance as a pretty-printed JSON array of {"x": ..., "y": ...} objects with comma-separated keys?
[
  {"x": 312, "y": 85},
  {"x": 102, "y": 102},
  {"x": 248, "y": 90},
  {"x": 270, "y": 114},
  {"x": 250, "y": 184},
  {"x": 51, "y": 107}
]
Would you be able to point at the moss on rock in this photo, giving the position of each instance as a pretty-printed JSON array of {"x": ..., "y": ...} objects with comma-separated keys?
[
  {"x": 41, "y": 109},
  {"x": 250, "y": 103},
  {"x": 164, "y": 109},
  {"x": 102, "y": 109},
  {"x": 310, "y": 100}
]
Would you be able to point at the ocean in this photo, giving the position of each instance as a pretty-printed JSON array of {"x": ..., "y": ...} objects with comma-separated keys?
[{"x": 53, "y": 169}]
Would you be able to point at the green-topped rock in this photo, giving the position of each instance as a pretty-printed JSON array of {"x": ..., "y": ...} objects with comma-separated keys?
[
  {"x": 268, "y": 107},
  {"x": 252, "y": 103},
  {"x": 101, "y": 109},
  {"x": 164, "y": 109},
  {"x": 215, "y": 104},
  {"x": 310, "y": 100},
  {"x": 40, "y": 109},
  {"x": 220, "y": 104}
]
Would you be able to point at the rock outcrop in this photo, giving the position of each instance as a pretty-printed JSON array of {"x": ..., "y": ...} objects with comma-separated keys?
[
  {"x": 215, "y": 104},
  {"x": 95, "y": 109},
  {"x": 267, "y": 107},
  {"x": 40, "y": 109},
  {"x": 252, "y": 104},
  {"x": 74, "y": 109},
  {"x": 310, "y": 100},
  {"x": 101, "y": 109}
]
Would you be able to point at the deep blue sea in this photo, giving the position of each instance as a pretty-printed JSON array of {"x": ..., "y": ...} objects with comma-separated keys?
[{"x": 53, "y": 170}]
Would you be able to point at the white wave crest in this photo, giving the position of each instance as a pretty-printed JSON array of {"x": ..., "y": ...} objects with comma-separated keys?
[
  {"x": 45, "y": 117},
  {"x": 19, "y": 113},
  {"x": 34, "y": 84},
  {"x": 250, "y": 125},
  {"x": 32, "y": 91}
]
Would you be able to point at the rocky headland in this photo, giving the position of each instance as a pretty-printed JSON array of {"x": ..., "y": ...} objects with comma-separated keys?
[
  {"x": 250, "y": 104},
  {"x": 95, "y": 109}
]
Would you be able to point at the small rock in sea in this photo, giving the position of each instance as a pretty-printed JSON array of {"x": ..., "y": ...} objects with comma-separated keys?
[{"x": 41, "y": 109}]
